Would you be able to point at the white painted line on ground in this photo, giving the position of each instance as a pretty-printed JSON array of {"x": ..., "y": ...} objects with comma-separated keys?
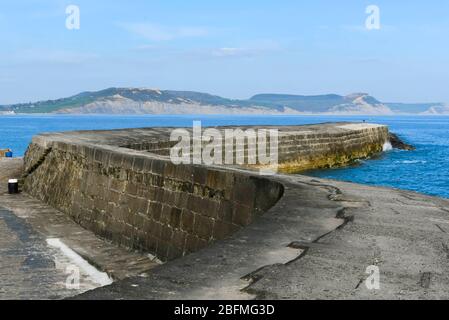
[{"x": 99, "y": 277}]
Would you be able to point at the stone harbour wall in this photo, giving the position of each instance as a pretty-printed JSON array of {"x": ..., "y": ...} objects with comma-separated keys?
[
  {"x": 121, "y": 184},
  {"x": 317, "y": 150},
  {"x": 301, "y": 150},
  {"x": 146, "y": 203}
]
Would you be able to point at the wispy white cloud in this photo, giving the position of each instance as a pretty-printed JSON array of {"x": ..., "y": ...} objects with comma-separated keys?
[
  {"x": 155, "y": 32},
  {"x": 146, "y": 47},
  {"x": 52, "y": 56},
  {"x": 250, "y": 50}
]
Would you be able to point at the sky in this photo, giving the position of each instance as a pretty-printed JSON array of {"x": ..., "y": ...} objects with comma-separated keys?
[{"x": 230, "y": 48}]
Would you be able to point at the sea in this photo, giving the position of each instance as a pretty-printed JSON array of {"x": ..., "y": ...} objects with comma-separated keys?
[{"x": 424, "y": 170}]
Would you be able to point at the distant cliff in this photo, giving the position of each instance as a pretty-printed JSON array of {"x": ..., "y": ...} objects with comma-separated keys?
[
  {"x": 357, "y": 103},
  {"x": 438, "y": 110},
  {"x": 154, "y": 101}
]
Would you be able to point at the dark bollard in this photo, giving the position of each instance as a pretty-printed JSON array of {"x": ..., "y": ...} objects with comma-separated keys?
[{"x": 13, "y": 186}]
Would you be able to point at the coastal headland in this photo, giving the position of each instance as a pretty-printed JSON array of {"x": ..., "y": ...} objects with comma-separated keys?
[{"x": 226, "y": 232}]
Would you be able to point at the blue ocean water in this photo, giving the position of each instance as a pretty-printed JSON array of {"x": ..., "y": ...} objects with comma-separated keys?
[{"x": 424, "y": 170}]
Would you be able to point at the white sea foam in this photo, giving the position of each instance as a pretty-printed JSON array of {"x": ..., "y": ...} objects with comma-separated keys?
[
  {"x": 412, "y": 161},
  {"x": 387, "y": 146},
  {"x": 96, "y": 276}
]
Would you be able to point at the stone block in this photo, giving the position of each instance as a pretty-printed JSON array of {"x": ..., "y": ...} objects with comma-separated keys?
[
  {"x": 191, "y": 243},
  {"x": 162, "y": 250},
  {"x": 155, "y": 210},
  {"x": 244, "y": 190},
  {"x": 120, "y": 213},
  {"x": 179, "y": 239},
  {"x": 167, "y": 233},
  {"x": 135, "y": 177},
  {"x": 138, "y": 164},
  {"x": 175, "y": 218},
  {"x": 187, "y": 220},
  {"x": 209, "y": 208},
  {"x": 115, "y": 160},
  {"x": 117, "y": 185},
  {"x": 187, "y": 187},
  {"x": 105, "y": 155},
  {"x": 155, "y": 229},
  {"x": 184, "y": 173},
  {"x": 216, "y": 180},
  {"x": 165, "y": 213},
  {"x": 157, "y": 167},
  {"x": 225, "y": 211},
  {"x": 127, "y": 162},
  {"x": 242, "y": 215},
  {"x": 203, "y": 227},
  {"x": 131, "y": 188},
  {"x": 199, "y": 175},
  {"x": 157, "y": 181},
  {"x": 151, "y": 244},
  {"x": 169, "y": 170},
  {"x": 194, "y": 203}
]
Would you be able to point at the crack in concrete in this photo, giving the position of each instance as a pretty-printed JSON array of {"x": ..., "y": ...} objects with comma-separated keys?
[
  {"x": 408, "y": 197},
  {"x": 439, "y": 227},
  {"x": 332, "y": 189},
  {"x": 298, "y": 246},
  {"x": 359, "y": 283},
  {"x": 254, "y": 276},
  {"x": 341, "y": 198}
]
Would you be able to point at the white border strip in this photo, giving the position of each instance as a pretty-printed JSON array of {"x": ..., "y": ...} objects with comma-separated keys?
[{"x": 98, "y": 277}]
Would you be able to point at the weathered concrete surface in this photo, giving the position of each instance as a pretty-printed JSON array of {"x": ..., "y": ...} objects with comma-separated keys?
[
  {"x": 315, "y": 243},
  {"x": 10, "y": 168},
  {"x": 29, "y": 268}
]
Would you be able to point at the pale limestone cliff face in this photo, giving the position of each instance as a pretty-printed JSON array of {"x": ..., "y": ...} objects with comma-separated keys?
[
  {"x": 121, "y": 105},
  {"x": 437, "y": 110},
  {"x": 359, "y": 105}
]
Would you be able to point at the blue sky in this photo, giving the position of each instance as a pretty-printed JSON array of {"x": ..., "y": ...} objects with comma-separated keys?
[{"x": 230, "y": 48}]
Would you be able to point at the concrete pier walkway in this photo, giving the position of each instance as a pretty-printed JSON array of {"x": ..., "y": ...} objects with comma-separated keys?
[
  {"x": 315, "y": 243},
  {"x": 30, "y": 268}
]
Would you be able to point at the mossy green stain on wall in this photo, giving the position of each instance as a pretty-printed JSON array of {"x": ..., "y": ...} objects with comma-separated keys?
[{"x": 330, "y": 160}]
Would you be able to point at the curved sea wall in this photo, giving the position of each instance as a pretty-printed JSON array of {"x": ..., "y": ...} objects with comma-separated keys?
[
  {"x": 330, "y": 145},
  {"x": 122, "y": 185}
]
